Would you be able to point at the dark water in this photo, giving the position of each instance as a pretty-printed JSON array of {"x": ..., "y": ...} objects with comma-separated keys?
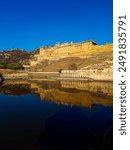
[{"x": 56, "y": 116}]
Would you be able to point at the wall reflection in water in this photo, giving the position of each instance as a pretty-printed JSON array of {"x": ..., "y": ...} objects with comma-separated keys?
[
  {"x": 70, "y": 93},
  {"x": 54, "y": 115},
  {"x": 75, "y": 93}
]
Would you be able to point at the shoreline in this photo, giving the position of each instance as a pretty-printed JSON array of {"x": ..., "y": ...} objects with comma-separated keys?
[
  {"x": 56, "y": 79},
  {"x": 49, "y": 76}
]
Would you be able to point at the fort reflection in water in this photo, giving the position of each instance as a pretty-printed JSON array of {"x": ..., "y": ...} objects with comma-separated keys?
[
  {"x": 70, "y": 93},
  {"x": 74, "y": 93}
]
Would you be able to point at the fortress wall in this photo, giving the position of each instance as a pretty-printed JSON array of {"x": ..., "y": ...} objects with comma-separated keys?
[
  {"x": 101, "y": 48},
  {"x": 86, "y": 46},
  {"x": 67, "y": 50},
  {"x": 106, "y": 74},
  {"x": 80, "y": 49},
  {"x": 72, "y": 50},
  {"x": 46, "y": 51}
]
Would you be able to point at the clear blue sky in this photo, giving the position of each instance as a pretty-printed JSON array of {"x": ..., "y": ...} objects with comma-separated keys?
[{"x": 29, "y": 24}]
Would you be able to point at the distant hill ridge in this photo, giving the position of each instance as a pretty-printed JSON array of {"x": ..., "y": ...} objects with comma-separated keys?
[{"x": 15, "y": 55}]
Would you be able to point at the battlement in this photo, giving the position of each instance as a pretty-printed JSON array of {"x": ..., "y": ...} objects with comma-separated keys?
[
  {"x": 66, "y": 44},
  {"x": 67, "y": 49}
]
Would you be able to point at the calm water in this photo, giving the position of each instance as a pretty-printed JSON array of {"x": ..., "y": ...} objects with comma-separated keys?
[{"x": 56, "y": 115}]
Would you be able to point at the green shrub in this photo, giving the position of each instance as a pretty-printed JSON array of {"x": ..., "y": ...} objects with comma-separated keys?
[
  {"x": 2, "y": 66},
  {"x": 14, "y": 66}
]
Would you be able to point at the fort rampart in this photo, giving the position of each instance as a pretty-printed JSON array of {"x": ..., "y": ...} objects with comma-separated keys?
[{"x": 59, "y": 51}]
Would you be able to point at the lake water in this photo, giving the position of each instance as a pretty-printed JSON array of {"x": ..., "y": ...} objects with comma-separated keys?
[{"x": 56, "y": 115}]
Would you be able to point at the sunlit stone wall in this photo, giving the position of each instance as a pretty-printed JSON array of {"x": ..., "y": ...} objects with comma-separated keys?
[{"x": 105, "y": 74}]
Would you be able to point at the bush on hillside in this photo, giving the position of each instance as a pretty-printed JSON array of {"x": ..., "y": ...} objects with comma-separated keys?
[
  {"x": 14, "y": 66},
  {"x": 3, "y": 65}
]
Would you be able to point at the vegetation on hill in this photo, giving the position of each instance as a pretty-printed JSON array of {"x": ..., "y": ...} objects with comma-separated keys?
[{"x": 14, "y": 59}]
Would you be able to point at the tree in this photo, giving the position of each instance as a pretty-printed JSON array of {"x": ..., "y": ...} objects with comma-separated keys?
[{"x": 1, "y": 66}]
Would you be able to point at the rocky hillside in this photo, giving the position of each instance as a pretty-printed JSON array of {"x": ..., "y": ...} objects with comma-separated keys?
[
  {"x": 15, "y": 55},
  {"x": 99, "y": 60},
  {"x": 14, "y": 59}
]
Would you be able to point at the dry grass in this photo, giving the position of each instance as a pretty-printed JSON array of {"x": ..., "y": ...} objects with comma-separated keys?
[{"x": 90, "y": 60}]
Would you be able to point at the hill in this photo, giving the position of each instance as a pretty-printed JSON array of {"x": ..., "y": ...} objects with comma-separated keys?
[{"x": 17, "y": 56}]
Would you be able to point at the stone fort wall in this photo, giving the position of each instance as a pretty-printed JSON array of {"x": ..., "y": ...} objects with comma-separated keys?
[
  {"x": 72, "y": 49},
  {"x": 101, "y": 75},
  {"x": 66, "y": 49},
  {"x": 81, "y": 49}
]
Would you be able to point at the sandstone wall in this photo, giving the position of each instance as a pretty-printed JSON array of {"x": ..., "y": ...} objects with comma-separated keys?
[
  {"x": 82, "y": 49},
  {"x": 77, "y": 49},
  {"x": 104, "y": 75}
]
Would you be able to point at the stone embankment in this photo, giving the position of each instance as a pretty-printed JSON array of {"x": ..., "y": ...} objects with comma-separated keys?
[
  {"x": 102, "y": 75},
  {"x": 88, "y": 75},
  {"x": 9, "y": 74}
]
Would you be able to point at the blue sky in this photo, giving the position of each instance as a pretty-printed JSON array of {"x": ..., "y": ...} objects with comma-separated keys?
[{"x": 29, "y": 24}]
